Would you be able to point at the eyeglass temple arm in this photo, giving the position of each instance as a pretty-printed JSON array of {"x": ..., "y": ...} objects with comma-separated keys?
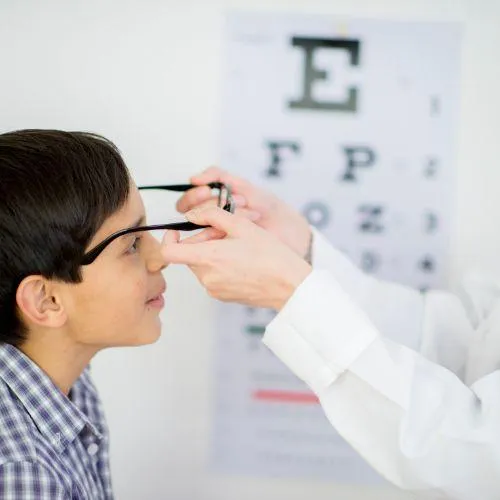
[
  {"x": 178, "y": 226},
  {"x": 182, "y": 187},
  {"x": 187, "y": 187}
]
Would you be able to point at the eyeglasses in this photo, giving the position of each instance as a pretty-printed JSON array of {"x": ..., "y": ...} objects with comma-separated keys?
[{"x": 225, "y": 201}]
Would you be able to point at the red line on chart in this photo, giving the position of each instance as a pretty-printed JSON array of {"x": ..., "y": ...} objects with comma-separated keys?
[{"x": 285, "y": 397}]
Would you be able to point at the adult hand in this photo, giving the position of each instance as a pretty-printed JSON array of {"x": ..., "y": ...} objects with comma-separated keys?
[
  {"x": 237, "y": 261},
  {"x": 265, "y": 209}
]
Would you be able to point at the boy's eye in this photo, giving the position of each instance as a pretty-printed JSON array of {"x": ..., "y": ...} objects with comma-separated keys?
[{"x": 135, "y": 244}]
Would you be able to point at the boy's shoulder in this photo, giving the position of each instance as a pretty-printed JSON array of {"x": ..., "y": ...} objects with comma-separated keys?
[
  {"x": 18, "y": 439},
  {"x": 27, "y": 462}
]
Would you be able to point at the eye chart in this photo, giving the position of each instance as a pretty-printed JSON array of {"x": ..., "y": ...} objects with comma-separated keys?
[{"x": 352, "y": 122}]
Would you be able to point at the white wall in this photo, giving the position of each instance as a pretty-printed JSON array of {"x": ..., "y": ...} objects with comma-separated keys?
[{"x": 147, "y": 74}]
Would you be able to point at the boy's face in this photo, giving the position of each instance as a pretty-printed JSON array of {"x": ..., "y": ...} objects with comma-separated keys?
[{"x": 120, "y": 298}]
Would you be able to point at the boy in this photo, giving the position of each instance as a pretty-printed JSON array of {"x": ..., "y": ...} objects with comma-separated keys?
[{"x": 61, "y": 194}]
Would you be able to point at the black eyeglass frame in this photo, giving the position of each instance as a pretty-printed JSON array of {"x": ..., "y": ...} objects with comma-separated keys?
[{"x": 229, "y": 206}]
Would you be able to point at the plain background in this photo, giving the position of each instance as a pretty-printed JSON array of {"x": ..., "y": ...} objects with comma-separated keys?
[{"x": 147, "y": 74}]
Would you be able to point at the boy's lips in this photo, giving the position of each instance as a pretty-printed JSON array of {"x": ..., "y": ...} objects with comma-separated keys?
[
  {"x": 156, "y": 302},
  {"x": 157, "y": 298}
]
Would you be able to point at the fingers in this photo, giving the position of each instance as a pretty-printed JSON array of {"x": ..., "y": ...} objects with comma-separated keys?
[
  {"x": 201, "y": 195},
  {"x": 170, "y": 238},
  {"x": 217, "y": 218},
  {"x": 221, "y": 224},
  {"x": 208, "y": 234},
  {"x": 211, "y": 174},
  {"x": 175, "y": 252},
  {"x": 193, "y": 198},
  {"x": 251, "y": 215},
  {"x": 215, "y": 174},
  {"x": 212, "y": 233}
]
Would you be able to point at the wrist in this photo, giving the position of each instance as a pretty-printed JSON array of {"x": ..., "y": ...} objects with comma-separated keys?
[{"x": 290, "y": 282}]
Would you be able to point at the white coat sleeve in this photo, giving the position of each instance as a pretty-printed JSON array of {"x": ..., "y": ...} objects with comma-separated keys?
[
  {"x": 413, "y": 420},
  {"x": 440, "y": 325}
]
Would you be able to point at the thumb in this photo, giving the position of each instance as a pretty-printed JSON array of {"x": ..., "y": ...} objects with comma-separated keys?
[
  {"x": 218, "y": 218},
  {"x": 175, "y": 252},
  {"x": 215, "y": 174},
  {"x": 170, "y": 238},
  {"x": 211, "y": 174}
]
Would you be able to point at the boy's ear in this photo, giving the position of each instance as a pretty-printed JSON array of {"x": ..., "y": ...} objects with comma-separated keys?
[{"x": 39, "y": 302}]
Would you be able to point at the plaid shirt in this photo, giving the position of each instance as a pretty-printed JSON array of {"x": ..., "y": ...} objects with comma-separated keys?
[{"x": 52, "y": 447}]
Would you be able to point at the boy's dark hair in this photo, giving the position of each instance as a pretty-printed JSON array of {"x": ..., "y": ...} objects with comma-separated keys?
[{"x": 56, "y": 190}]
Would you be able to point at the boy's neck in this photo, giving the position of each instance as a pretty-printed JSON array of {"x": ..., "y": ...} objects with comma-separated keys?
[{"x": 60, "y": 358}]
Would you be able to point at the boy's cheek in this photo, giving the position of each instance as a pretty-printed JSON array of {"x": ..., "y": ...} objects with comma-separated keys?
[
  {"x": 137, "y": 289},
  {"x": 110, "y": 292}
]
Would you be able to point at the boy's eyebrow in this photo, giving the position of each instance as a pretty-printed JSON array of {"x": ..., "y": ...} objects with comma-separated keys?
[{"x": 140, "y": 222}]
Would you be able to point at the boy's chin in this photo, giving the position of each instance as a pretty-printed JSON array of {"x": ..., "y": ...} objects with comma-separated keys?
[
  {"x": 151, "y": 337},
  {"x": 147, "y": 336}
]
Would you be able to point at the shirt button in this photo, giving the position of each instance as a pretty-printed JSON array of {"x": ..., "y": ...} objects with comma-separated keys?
[{"x": 93, "y": 449}]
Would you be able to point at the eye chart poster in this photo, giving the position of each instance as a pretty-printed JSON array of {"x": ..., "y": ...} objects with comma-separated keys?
[{"x": 352, "y": 122}]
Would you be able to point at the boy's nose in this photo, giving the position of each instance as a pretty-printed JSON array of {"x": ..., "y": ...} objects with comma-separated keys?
[{"x": 154, "y": 259}]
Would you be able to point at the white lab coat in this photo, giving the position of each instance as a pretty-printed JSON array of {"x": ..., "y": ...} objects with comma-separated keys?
[{"x": 410, "y": 380}]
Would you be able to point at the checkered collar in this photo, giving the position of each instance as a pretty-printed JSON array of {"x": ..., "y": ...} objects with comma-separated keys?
[{"x": 54, "y": 414}]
